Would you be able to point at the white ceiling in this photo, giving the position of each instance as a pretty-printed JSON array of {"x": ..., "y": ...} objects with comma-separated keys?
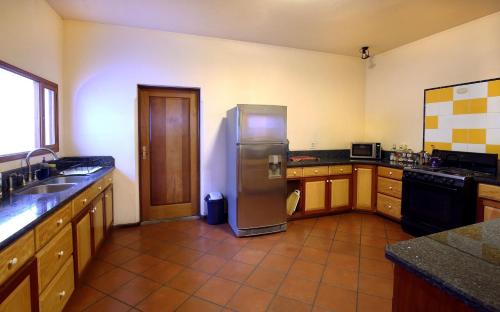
[{"x": 337, "y": 26}]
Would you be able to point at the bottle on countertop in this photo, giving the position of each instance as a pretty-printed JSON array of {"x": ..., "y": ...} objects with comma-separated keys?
[{"x": 392, "y": 156}]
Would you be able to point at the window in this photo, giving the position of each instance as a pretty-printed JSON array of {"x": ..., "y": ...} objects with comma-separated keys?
[{"x": 28, "y": 113}]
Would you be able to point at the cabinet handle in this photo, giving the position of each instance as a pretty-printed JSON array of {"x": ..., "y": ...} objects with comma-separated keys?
[
  {"x": 13, "y": 262},
  {"x": 341, "y": 169},
  {"x": 389, "y": 206},
  {"x": 390, "y": 187},
  {"x": 62, "y": 294},
  {"x": 84, "y": 200},
  {"x": 390, "y": 172},
  {"x": 99, "y": 188},
  {"x": 93, "y": 210},
  {"x": 59, "y": 222},
  {"x": 316, "y": 171},
  {"x": 60, "y": 253},
  {"x": 355, "y": 169}
]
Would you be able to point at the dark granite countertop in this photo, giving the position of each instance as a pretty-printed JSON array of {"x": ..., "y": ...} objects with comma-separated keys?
[
  {"x": 464, "y": 262},
  {"x": 489, "y": 180},
  {"x": 21, "y": 213},
  {"x": 323, "y": 161}
]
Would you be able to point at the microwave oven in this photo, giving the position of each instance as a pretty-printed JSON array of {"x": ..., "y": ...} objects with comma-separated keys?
[{"x": 366, "y": 151}]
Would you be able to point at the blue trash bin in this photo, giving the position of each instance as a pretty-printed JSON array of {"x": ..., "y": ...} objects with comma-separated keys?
[{"x": 215, "y": 208}]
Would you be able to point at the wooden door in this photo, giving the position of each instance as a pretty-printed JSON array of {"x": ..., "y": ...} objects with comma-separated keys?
[
  {"x": 20, "y": 292},
  {"x": 98, "y": 222},
  {"x": 340, "y": 193},
  {"x": 83, "y": 244},
  {"x": 315, "y": 194},
  {"x": 108, "y": 206},
  {"x": 364, "y": 187},
  {"x": 169, "y": 152},
  {"x": 19, "y": 299}
]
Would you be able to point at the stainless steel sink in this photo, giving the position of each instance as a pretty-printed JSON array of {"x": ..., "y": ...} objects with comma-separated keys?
[
  {"x": 68, "y": 179},
  {"x": 46, "y": 188}
]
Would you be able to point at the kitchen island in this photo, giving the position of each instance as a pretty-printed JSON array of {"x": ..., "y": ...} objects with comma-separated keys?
[{"x": 455, "y": 270}]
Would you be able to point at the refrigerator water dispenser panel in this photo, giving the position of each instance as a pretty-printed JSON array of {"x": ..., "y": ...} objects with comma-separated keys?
[{"x": 275, "y": 167}]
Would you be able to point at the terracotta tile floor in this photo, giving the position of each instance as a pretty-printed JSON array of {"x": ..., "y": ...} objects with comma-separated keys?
[{"x": 333, "y": 263}]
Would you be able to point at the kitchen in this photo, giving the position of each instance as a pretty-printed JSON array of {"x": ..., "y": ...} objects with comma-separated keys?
[{"x": 98, "y": 66}]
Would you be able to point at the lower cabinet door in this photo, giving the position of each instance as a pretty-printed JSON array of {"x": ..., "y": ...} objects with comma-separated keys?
[
  {"x": 19, "y": 299},
  {"x": 82, "y": 232},
  {"x": 364, "y": 188},
  {"x": 315, "y": 195},
  {"x": 20, "y": 292},
  {"x": 55, "y": 297},
  {"x": 340, "y": 194},
  {"x": 98, "y": 222},
  {"x": 108, "y": 206},
  {"x": 491, "y": 213}
]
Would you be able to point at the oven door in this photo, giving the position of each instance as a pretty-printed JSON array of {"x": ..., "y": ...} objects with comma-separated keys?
[{"x": 429, "y": 207}]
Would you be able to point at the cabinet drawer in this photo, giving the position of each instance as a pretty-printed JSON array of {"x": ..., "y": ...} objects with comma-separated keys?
[
  {"x": 59, "y": 290},
  {"x": 392, "y": 173},
  {"x": 340, "y": 169},
  {"x": 107, "y": 180},
  {"x": 491, "y": 213},
  {"x": 52, "y": 257},
  {"x": 48, "y": 228},
  {"x": 315, "y": 171},
  {"x": 489, "y": 191},
  {"x": 389, "y": 187},
  {"x": 80, "y": 202},
  {"x": 389, "y": 206},
  {"x": 14, "y": 256},
  {"x": 294, "y": 172},
  {"x": 95, "y": 189}
]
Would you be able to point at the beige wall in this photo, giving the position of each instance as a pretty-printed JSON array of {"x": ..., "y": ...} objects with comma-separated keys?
[
  {"x": 31, "y": 39},
  {"x": 103, "y": 65},
  {"x": 395, "y": 80}
]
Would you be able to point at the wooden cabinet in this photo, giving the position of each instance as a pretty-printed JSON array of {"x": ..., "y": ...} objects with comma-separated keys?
[
  {"x": 15, "y": 255},
  {"x": 319, "y": 171},
  {"x": 295, "y": 172},
  {"x": 389, "y": 191},
  {"x": 364, "y": 180},
  {"x": 340, "y": 193},
  {"x": 330, "y": 192},
  {"x": 389, "y": 206},
  {"x": 38, "y": 271},
  {"x": 97, "y": 221},
  {"x": 315, "y": 194},
  {"x": 52, "y": 257},
  {"x": 488, "y": 203},
  {"x": 108, "y": 207},
  {"x": 82, "y": 237},
  {"x": 51, "y": 226},
  {"x": 20, "y": 292},
  {"x": 57, "y": 294}
]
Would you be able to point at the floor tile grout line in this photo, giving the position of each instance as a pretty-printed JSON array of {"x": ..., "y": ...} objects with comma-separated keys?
[{"x": 309, "y": 228}]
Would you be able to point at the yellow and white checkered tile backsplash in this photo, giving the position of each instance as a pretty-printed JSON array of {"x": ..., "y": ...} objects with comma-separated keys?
[{"x": 464, "y": 118}]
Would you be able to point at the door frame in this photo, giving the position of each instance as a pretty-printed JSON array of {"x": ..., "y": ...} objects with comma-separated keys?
[{"x": 138, "y": 148}]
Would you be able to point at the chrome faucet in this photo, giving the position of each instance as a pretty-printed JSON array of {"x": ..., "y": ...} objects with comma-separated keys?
[{"x": 54, "y": 155}]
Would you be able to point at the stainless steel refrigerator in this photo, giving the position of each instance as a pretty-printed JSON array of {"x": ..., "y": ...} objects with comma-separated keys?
[{"x": 256, "y": 174}]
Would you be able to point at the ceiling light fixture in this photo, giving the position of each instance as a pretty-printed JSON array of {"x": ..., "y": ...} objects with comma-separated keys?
[{"x": 364, "y": 53}]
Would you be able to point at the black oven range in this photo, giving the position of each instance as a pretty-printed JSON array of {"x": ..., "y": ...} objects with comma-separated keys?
[{"x": 440, "y": 198}]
